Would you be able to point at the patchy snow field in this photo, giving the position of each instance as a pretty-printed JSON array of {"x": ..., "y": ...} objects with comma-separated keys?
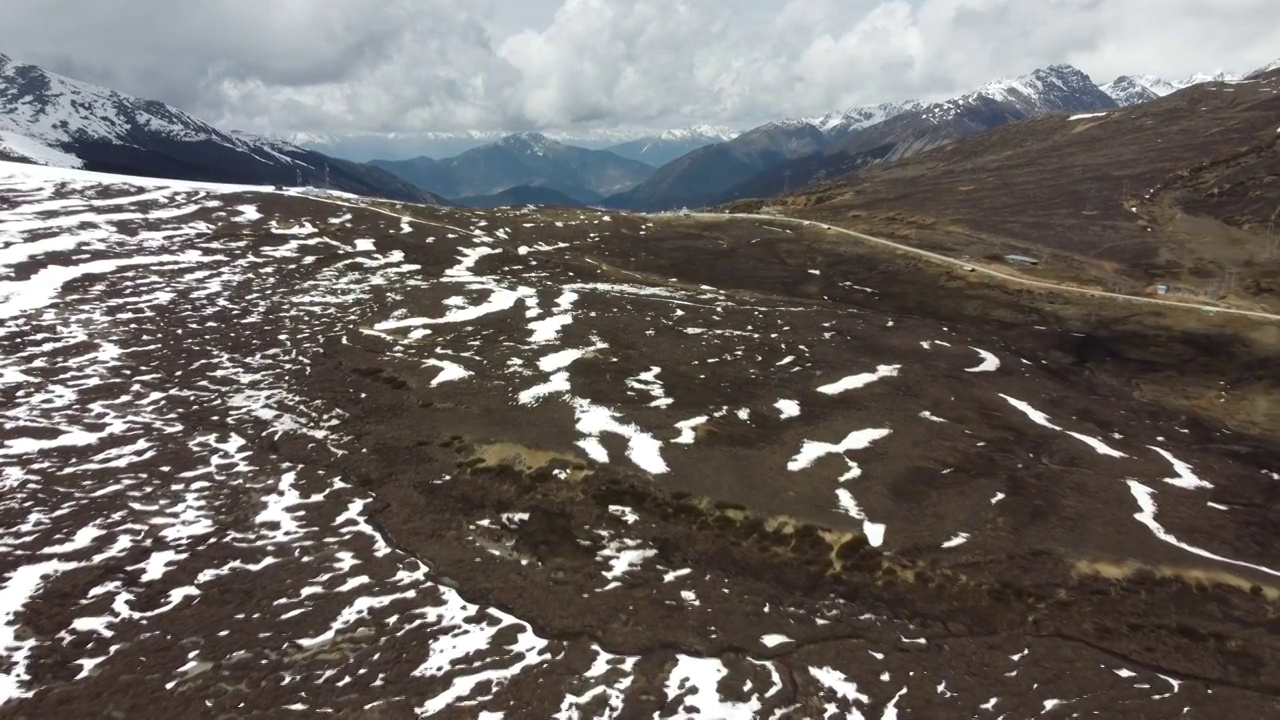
[{"x": 179, "y": 535}]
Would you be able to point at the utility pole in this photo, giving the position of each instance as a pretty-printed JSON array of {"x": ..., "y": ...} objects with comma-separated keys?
[
  {"x": 326, "y": 176},
  {"x": 786, "y": 181},
  {"x": 299, "y": 183}
]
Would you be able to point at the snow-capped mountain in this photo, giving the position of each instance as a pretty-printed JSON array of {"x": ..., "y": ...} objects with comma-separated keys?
[
  {"x": 1202, "y": 78},
  {"x": 839, "y": 123},
  {"x": 787, "y": 154},
  {"x": 715, "y": 133},
  {"x": 663, "y": 147},
  {"x": 528, "y": 143},
  {"x": 1057, "y": 88},
  {"x": 106, "y": 130},
  {"x": 847, "y": 121},
  {"x": 1130, "y": 90},
  {"x": 1269, "y": 67},
  {"x": 403, "y": 146}
]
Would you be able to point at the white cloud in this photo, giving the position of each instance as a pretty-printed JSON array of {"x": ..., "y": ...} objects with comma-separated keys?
[{"x": 415, "y": 65}]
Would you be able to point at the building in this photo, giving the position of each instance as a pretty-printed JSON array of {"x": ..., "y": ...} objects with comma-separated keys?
[{"x": 1022, "y": 260}]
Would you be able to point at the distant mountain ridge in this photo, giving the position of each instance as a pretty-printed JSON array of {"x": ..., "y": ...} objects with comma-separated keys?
[
  {"x": 788, "y": 154},
  {"x": 1130, "y": 90},
  {"x": 521, "y": 195},
  {"x": 112, "y": 132},
  {"x": 660, "y": 149},
  {"x": 807, "y": 150},
  {"x": 410, "y": 145},
  {"x": 523, "y": 159}
]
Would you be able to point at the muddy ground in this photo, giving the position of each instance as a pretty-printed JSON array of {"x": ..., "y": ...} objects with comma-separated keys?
[{"x": 561, "y": 464}]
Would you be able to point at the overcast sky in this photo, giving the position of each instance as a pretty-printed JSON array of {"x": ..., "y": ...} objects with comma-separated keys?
[{"x": 351, "y": 66}]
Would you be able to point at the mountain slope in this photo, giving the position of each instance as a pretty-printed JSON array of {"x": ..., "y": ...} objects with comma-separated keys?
[
  {"x": 658, "y": 150},
  {"x": 840, "y": 125},
  {"x": 112, "y": 132},
  {"x": 520, "y": 195},
  {"x": 523, "y": 159},
  {"x": 24, "y": 149},
  {"x": 1056, "y": 89},
  {"x": 1264, "y": 70},
  {"x": 704, "y": 174},
  {"x": 1179, "y": 190}
]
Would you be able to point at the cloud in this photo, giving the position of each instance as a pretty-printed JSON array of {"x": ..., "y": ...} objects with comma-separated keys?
[{"x": 442, "y": 65}]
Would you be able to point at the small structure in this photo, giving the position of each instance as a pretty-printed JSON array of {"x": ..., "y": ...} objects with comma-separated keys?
[
  {"x": 1162, "y": 289},
  {"x": 1022, "y": 260}
]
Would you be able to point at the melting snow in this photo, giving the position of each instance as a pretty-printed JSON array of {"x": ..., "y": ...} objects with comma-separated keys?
[
  {"x": 1041, "y": 419},
  {"x": 854, "y": 382},
  {"x": 812, "y": 450},
  {"x": 1185, "y": 475},
  {"x": 990, "y": 362},
  {"x": 1146, "y": 515},
  {"x": 787, "y": 409},
  {"x": 774, "y": 640}
]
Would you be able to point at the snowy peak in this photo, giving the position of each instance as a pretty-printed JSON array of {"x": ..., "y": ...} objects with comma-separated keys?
[
  {"x": 660, "y": 148},
  {"x": 1202, "y": 78},
  {"x": 534, "y": 143},
  {"x": 861, "y": 117},
  {"x": 714, "y": 133},
  {"x": 1130, "y": 90},
  {"x": 58, "y": 112},
  {"x": 55, "y": 109},
  {"x": 525, "y": 138},
  {"x": 51, "y": 119},
  {"x": 1269, "y": 67},
  {"x": 1055, "y": 88},
  {"x": 839, "y": 122}
]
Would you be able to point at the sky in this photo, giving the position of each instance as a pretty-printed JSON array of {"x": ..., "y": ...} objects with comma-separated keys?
[{"x": 411, "y": 66}]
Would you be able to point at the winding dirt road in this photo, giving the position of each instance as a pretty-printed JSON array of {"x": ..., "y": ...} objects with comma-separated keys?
[{"x": 937, "y": 257}]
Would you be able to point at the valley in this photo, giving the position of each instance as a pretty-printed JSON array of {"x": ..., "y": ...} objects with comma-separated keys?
[{"x": 268, "y": 454}]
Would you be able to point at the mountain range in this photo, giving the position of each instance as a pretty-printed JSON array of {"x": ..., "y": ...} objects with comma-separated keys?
[
  {"x": 1180, "y": 189},
  {"x": 1130, "y": 90},
  {"x": 659, "y": 149},
  {"x": 788, "y": 154},
  {"x": 50, "y": 119},
  {"x": 653, "y": 146},
  {"x": 791, "y": 153},
  {"x": 524, "y": 159}
]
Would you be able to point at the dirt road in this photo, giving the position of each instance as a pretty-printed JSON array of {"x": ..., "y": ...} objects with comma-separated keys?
[{"x": 938, "y": 257}]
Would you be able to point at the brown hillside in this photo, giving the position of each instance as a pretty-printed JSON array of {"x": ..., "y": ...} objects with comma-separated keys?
[{"x": 1179, "y": 190}]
